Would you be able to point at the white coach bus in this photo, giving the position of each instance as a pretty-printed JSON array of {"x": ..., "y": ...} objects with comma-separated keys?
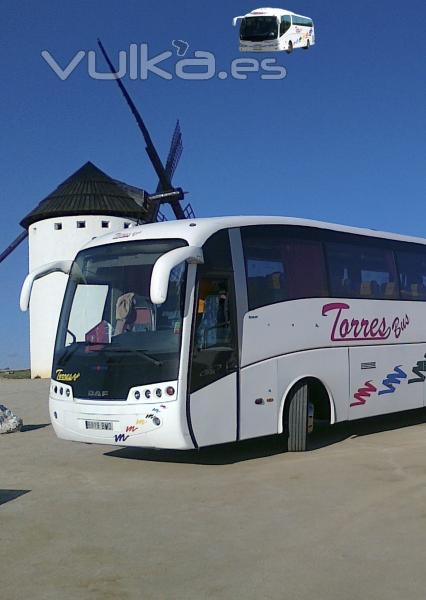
[
  {"x": 186, "y": 334},
  {"x": 275, "y": 30}
]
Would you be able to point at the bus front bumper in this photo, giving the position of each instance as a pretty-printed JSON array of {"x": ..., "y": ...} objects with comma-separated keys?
[
  {"x": 120, "y": 424},
  {"x": 258, "y": 47}
]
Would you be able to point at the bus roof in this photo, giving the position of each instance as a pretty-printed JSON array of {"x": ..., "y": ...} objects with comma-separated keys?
[
  {"x": 278, "y": 12},
  {"x": 197, "y": 231}
]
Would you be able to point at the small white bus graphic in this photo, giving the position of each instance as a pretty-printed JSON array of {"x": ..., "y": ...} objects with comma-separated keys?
[{"x": 275, "y": 30}]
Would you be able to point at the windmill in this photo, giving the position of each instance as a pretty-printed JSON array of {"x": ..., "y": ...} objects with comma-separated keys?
[
  {"x": 79, "y": 209},
  {"x": 166, "y": 192}
]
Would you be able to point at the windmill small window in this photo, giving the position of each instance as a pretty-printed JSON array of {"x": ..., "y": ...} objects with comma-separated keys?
[
  {"x": 81, "y": 224},
  {"x": 57, "y": 226}
]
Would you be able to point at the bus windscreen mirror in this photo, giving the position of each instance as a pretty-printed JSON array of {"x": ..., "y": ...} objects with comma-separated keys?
[
  {"x": 235, "y": 20},
  {"x": 164, "y": 265},
  {"x": 59, "y": 266}
]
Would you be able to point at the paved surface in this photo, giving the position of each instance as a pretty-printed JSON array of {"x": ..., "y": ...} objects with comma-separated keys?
[{"x": 344, "y": 521}]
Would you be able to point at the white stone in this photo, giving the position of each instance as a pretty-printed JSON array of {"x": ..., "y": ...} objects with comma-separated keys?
[{"x": 9, "y": 422}]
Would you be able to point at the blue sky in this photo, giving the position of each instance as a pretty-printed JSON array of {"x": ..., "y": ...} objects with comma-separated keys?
[{"x": 340, "y": 139}]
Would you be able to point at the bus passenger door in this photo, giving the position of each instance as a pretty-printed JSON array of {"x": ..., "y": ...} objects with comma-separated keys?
[
  {"x": 284, "y": 33},
  {"x": 214, "y": 355}
]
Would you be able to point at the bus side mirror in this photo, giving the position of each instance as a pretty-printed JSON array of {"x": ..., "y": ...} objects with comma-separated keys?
[
  {"x": 235, "y": 20},
  {"x": 164, "y": 265},
  {"x": 61, "y": 266}
]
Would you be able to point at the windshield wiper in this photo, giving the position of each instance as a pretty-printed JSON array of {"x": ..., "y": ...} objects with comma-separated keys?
[
  {"x": 151, "y": 359},
  {"x": 72, "y": 348}
]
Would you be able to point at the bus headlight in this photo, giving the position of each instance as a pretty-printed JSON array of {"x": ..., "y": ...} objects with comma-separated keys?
[
  {"x": 60, "y": 391},
  {"x": 165, "y": 392}
]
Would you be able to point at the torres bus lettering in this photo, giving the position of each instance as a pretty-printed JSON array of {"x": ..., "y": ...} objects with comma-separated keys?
[{"x": 350, "y": 330}]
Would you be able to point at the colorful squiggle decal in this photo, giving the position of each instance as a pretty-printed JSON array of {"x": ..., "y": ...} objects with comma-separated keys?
[
  {"x": 390, "y": 383},
  {"x": 364, "y": 393},
  {"x": 419, "y": 371},
  {"x": 392, "y": 380}
]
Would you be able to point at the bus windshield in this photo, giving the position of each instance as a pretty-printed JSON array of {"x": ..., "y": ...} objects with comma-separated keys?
[
  {"x": 111, "y": 337},
  {"x": 258, "y": 29}
]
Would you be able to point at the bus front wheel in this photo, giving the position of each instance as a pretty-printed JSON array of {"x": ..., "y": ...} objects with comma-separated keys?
[
  {"x": 308, "y": 45},
  {"x": 290, "y": 48},
  {"x": 298, "y": 419}
]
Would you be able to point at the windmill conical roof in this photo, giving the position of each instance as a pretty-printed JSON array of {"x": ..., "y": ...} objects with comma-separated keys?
[{"x": 90, "y": 191}]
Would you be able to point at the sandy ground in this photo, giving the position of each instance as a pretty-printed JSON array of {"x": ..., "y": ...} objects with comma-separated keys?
[{"x": 344, "y": 521}]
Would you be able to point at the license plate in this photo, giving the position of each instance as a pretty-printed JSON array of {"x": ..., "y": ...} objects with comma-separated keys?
[{"x": 99, "y": 425}]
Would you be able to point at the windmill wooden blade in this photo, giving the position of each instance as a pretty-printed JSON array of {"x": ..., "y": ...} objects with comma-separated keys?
[
  {"x": 175, "y": 152},
  {"x": 150, "y": 148},
  {"x": 176, "y": 194},
  {"x": 13, "y": 245}
]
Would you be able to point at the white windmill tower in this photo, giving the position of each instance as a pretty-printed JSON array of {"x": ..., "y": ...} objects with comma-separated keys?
[{"x": 88, "y": 204}]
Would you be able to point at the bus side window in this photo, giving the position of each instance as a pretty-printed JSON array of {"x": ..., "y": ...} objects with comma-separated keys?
[
  {"x": 285, "y": 24},
  {"x": 214, "y": 344},
  {"x": 358, "y": 271},
  {"x": 280, "y": 267},
  {"x": 412, "y": 274}
]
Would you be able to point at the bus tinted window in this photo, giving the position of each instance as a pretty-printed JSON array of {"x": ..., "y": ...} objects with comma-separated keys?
[
  {"x": 214, "y": 346},
  {"x": 280, "y": 267},
  {"x": 258, "y": 29},
  {"x": 412, "y": 275},
  {"x": 285, "y": 24},
  {"x": 302, "y": 21},
  {"x": 359, "y": 272}
]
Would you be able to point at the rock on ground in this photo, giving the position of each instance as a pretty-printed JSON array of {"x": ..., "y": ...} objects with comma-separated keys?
[{"x": 9, "y": 422}]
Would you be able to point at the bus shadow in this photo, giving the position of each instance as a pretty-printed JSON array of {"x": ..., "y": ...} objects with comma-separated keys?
[
  {"x": 9, "y": 495},
  {"x": 232, "y": 453},
  {"x": 26, "y": 428},
  {"x": 224, "y": 454},
  {"x": 352, "y": 429}
]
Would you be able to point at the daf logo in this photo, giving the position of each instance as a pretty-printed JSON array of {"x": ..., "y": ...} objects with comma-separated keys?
[{"x": 98, "y": 393}]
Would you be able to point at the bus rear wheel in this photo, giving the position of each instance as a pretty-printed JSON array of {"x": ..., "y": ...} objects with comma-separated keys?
[
  {"x": 308, "y": 45},
  {"x": 290, "y": 48},
  {"x": 297, "y": 418}
]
